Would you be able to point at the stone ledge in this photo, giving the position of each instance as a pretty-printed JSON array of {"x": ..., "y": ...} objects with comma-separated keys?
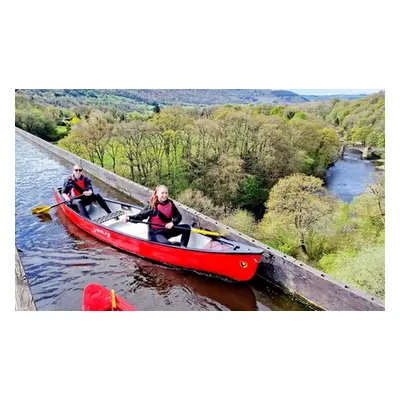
[{"x": 23, "y": 296}]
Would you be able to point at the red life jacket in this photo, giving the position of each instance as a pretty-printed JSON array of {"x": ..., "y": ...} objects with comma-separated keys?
[
  {"x": 80, "y": 183},
  {"x": 165, "y": 209}
]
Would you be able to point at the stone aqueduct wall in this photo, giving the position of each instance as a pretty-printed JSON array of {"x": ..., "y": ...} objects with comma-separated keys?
[
  {"x": 23, "y": 295},
  {"x": 293, "y": 276}
]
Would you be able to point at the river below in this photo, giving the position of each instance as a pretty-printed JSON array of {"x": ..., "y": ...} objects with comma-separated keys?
[{"x": 349, "y": 177}]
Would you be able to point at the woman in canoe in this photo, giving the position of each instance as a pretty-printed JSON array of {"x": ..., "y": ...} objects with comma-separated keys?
[{"x": 164, "y": 218}]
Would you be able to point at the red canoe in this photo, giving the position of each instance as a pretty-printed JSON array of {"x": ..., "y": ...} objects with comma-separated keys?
[
  {"x": 98, "y": 298},
  {"x": 213, "y": 255}
]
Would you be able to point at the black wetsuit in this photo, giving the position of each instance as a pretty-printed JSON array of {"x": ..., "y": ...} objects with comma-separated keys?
[
  {"x": 82, "y": 202},
  {"x": 162, "y": 235}
]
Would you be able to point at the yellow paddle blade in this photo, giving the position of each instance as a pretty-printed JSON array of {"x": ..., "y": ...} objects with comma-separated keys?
[
  {"x": 40, "y": 209},
  {"x": 113, "y": 300},
  {"x": 206, "y": 232}
]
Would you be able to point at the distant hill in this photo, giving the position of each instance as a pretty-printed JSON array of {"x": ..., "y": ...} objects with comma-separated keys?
[
  {"x": 334, "y": 96},
  {"x": 142, "y": 100}
]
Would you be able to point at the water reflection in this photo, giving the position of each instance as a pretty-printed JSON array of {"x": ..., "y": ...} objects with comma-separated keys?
[{"x": 206, "y": 291}]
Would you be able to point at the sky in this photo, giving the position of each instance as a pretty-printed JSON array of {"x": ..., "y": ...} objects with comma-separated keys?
[{"x": 333, "y": 91}]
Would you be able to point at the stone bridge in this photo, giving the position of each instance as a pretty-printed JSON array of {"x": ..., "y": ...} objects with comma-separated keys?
[{"x": 366, "y": 151}]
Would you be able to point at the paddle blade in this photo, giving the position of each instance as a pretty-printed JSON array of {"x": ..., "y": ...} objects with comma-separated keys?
[
  {"x": 206, "y": 232},
  {"x": 113, "y": 300},
  {"x": 40, "y": 209},
  {"x": 44, "y": 217}
]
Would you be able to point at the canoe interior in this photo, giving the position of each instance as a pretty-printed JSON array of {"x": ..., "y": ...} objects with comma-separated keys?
[{"x": 116, "y": 221}]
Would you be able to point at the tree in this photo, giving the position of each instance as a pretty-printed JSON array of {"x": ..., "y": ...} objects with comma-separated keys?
[
  {"x": 319, "y": 143},
  {"x": 251, "y": 192},
  {"x": 304, "y": 201},
  {"x": 35, "y": 122},
  {"x": 95, "y": 135},
  {"x": 369, "y": 210},
  {"x": 113, "y": 147},
  {"x": 300, "y": 115},
  {"x": 141, "y": 149},
  {"x": 289, "y": 114},
  {"x": 73, "y": 143},
  {"x": 203, "y": 135},
  {"x": 273, "y": 155},
  {"x": 224, "y": 180},
  {"x": 156, "y": 108},
  {"x": 278, "y": 110},
  {"x": 360, "y": 134}
]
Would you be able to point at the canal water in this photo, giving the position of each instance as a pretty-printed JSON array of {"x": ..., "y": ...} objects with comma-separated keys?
[
  {"x": 349, "y": 177},
  {"x": 60, "y": 259}
]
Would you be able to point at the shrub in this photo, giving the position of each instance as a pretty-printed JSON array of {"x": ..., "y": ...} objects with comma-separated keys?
[
  {"x": 365, "y": 270},
  {"x": 198, "y": 201}
]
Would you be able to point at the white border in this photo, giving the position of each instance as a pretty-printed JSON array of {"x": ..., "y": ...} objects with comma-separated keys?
[{"x": 177, "y": 44}]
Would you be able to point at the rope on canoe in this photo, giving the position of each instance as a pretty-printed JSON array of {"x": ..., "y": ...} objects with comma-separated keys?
[{"x": 108, "y": 217}]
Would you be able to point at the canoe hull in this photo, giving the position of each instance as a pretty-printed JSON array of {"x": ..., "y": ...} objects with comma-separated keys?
[{"x": 235, "y": 266}]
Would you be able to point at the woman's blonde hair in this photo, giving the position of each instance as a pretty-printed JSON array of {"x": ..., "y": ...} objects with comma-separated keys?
[{"x": 154, "y": 198}]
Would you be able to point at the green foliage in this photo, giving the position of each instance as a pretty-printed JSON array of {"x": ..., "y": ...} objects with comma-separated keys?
[
  {"x": 369, "y": 211},
  {"x": 365, "y": 269},
  {"x": 198, "y": 201},
  {"x": 136, "y": 116},
  {"x": 62, "y": 131},
  {"x": 318, "y": 144},
  {"x": 278, "y": 110},
  {"x": 381, "y": 139},
  {"x": 279, "y": 233},
  {"x": 300, "y": 115},
  {"x": 224, "y": 179},
  {"x": 305, "y": 205},
  {"x": 73, "y": 144},
  {"x": 361, "y": 134},
  {"x": 363, "y": 120},
  {"x": 330, "y": 262},
  {"x": 38, "y": 124},
  {"x": 251, "y": 192},
  {"x": 241, "y": 220}
]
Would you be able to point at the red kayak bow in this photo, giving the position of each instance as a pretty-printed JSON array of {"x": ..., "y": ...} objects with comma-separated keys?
[{"x": 98, "y": 298}]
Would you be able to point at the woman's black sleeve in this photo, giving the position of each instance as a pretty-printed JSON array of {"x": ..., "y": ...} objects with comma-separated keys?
[
  {"x": 176, "y": 215},
  {"x": 145, "y": 213}
]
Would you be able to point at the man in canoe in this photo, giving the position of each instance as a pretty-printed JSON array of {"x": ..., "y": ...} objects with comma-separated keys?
[
  {"x": 78, "y": 184},
  {"x": 164, "y": 218}
]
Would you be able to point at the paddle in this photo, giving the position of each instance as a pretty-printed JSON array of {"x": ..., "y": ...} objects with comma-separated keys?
[
  {"x": 46, "y": 209},
  {"x": 113, "y": 301},
  {"x": 181, "y": 227}
]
